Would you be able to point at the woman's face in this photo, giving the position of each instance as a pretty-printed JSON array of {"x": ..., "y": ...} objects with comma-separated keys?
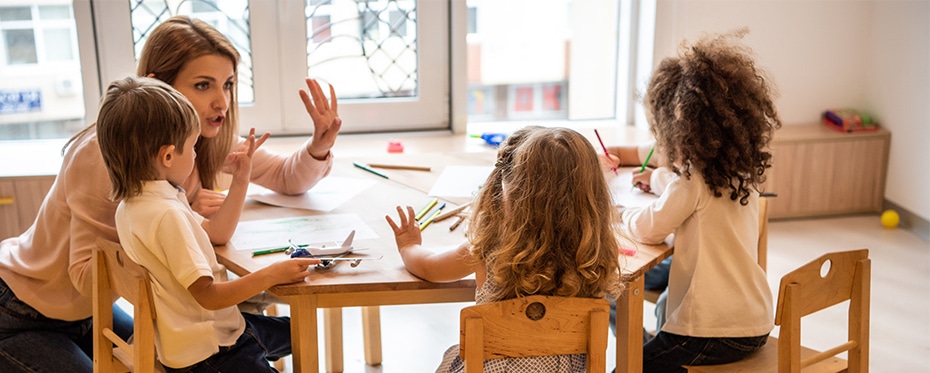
[{"x": 207, "y": 81}]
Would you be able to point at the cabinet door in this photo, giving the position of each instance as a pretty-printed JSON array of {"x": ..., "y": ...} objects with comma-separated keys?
[
  {"x": 9, "y": 217},
  {"x": 20, "y": 200},
  {"x": 828, "y": 178}
]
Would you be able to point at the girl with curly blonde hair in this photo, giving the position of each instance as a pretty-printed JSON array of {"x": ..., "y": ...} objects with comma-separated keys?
[{"x": 541, "y": 224}]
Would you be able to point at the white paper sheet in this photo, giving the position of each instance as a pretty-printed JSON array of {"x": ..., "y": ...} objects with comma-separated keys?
[
  {"x": 621, "y": 188},
  {"x": 460, "y": 181},
  {"x": 326, "y": 195},
  {"x": 269, "y": 233}
]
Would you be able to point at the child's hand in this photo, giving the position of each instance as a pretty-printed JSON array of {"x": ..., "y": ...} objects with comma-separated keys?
[
  {"x": 291, "y": 270},
  {"x": 608, "y": 162},
  {"x": 239, "y": 162},
  {"x": 641, "y": 179},
  {"x": 408, "y": 232}
]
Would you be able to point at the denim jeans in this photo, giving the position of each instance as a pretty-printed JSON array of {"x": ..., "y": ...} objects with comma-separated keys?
[
  {"x": 667, "y": 352},
  {"x": 265, "y": 339},
  {"x": 31, "y": 342}
]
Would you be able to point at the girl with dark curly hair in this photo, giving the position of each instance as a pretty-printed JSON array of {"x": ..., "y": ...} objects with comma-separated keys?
[{"x": 712, "y": 115}]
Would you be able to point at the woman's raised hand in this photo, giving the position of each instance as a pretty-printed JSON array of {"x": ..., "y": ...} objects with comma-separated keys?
[{"x": 325, "y": 115}]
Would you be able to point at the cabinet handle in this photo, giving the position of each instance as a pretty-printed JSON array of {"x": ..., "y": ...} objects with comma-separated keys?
[{"x": 6, "y": 200}]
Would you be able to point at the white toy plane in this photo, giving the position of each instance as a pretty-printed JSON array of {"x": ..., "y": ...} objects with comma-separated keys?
[{"x": 328, "y": 252}]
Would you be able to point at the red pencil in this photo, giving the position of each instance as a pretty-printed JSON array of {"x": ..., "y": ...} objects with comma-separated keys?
[{"x": 604, "y": 147}]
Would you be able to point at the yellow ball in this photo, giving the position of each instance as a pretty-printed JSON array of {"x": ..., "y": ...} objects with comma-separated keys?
[{"x": 890, "y": 219}]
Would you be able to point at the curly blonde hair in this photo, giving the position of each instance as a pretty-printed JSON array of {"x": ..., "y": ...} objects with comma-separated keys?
[
  {"x": 711, "y": 110},
  {"x": 543, "y": 221}
]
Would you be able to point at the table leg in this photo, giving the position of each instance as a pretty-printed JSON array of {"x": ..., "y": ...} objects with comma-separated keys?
[
  {"x": 332, "y": 337},
  {"x": 304, "y": 342},
  {"x": 371, "y": 330},
  {"x": 630, "y": 328}
]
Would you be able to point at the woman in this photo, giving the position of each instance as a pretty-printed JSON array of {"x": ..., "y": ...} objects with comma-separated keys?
[{"x": 45, "y": 273}]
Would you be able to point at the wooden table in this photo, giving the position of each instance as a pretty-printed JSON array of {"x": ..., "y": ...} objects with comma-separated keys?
[{"x": 387, "y": 282}]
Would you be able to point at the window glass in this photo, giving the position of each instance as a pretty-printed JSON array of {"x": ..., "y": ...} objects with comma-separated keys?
[
  {"x": 41, "y": 86},
  {"x": 230, "y": 17},
  {"x": 557, "y": 61},
  {"x": 367, "y": 50}
]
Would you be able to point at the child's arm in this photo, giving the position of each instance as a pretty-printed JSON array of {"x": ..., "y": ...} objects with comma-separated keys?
[
  {"x": 431, "y": 266},
  {"x": 223, "y": 224},
  {"x": 218, "y": 295},
  {"x": 624, "y": 156}
]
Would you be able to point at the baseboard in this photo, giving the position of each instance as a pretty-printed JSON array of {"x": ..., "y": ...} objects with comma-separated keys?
[{"x": 909, "y": 220}]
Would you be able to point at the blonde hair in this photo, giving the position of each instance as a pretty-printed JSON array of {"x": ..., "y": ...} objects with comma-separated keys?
[
  {"x": 138, "y": 116},
  {"x": 170, "y": 46},
  {"x": 544, "y": 221}
]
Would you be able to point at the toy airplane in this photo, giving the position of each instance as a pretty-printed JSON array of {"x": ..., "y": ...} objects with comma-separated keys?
[{"x": 328, "y": 252}]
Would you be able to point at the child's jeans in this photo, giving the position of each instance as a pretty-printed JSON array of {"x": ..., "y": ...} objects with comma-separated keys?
[
  {"x": 265, "y": 339},
  {"x": 31, "y": 342},
  {"x": 667, "y": 352}
]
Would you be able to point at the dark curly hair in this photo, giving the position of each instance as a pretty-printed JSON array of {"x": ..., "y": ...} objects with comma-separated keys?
[{"x": 711, "y": 110}]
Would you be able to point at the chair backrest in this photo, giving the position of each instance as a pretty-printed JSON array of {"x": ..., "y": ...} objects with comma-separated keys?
[
  {"x": 115, "y": 273},
  {"x": 535, "y": 326},
  {"x": 821, "y": 283}
]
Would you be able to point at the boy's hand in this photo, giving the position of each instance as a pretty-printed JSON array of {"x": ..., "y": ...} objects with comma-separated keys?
[
  {"x": 291, "y": 270},
  {"x": 239, "y": 162},
  {"x": 408, "y": 232}
]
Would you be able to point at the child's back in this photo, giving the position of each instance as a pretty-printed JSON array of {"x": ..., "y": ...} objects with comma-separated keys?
[{"x": 712, "y": 116}]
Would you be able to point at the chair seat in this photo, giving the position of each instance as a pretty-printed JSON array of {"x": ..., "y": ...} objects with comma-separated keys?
[{"x": 766, "y": 360}]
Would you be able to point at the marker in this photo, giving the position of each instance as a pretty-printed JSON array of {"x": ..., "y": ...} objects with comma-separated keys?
[
  {"x": 366, "y": 168},
  {"x": 425, "y": 209},
  {"x": 641, "y": 169},
  {"x": 451, "y": 213},
  {"x": 433, "y": 216},
  {"x": 604, "y": 147},
  {"x": 399, "y": 167},
  {"x": 456, "y": 223},
  {"x": 274, "y": 250}
]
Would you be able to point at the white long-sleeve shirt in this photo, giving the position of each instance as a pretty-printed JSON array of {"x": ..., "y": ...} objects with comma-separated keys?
[{"x": 716, "y": 287}]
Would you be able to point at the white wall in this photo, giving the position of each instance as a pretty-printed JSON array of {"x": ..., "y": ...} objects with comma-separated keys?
[{"x": 868, "y": 54}]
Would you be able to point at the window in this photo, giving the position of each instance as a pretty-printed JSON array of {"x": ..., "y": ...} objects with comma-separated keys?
[
  {"x": 374, "y": 52},
  {"x": 41, "y": 90}
]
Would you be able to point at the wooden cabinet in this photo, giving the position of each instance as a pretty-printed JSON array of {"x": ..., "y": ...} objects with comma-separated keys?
[
  {"x": 20, "y": 200},
  {"x": 818, "y": 171}
]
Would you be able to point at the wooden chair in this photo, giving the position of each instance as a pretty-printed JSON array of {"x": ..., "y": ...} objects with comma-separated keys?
[
  {"x": 535, "y": 326},
  {"x": 115, "y": 273},
  {"x": 652, "y": 296},
  {"x": 806, "y": 290}
]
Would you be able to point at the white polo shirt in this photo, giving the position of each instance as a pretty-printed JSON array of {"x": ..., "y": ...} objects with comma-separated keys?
[{"x": 159, "y": 231}]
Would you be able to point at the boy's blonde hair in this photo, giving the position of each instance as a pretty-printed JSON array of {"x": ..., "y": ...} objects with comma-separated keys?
[
  {"x": 544, "y": 220},
  {"x": 137, "y": 117},
  {"x": 170, "y": 46}
]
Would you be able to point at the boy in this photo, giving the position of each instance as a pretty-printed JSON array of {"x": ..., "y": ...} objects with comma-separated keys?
[{"x": 146, "y": 131}]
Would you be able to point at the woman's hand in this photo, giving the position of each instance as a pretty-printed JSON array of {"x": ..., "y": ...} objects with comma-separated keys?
[
  {"x": 406, "y": 234},
  {"x": 325, "y": 115},
  {"x": 207, "y": 202}
]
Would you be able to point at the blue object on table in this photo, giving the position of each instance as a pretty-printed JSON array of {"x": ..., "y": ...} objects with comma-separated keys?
[{"x": 493, "y": 139}]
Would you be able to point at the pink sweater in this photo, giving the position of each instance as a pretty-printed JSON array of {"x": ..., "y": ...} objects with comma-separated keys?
[{"x": 49, "y": 265}]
